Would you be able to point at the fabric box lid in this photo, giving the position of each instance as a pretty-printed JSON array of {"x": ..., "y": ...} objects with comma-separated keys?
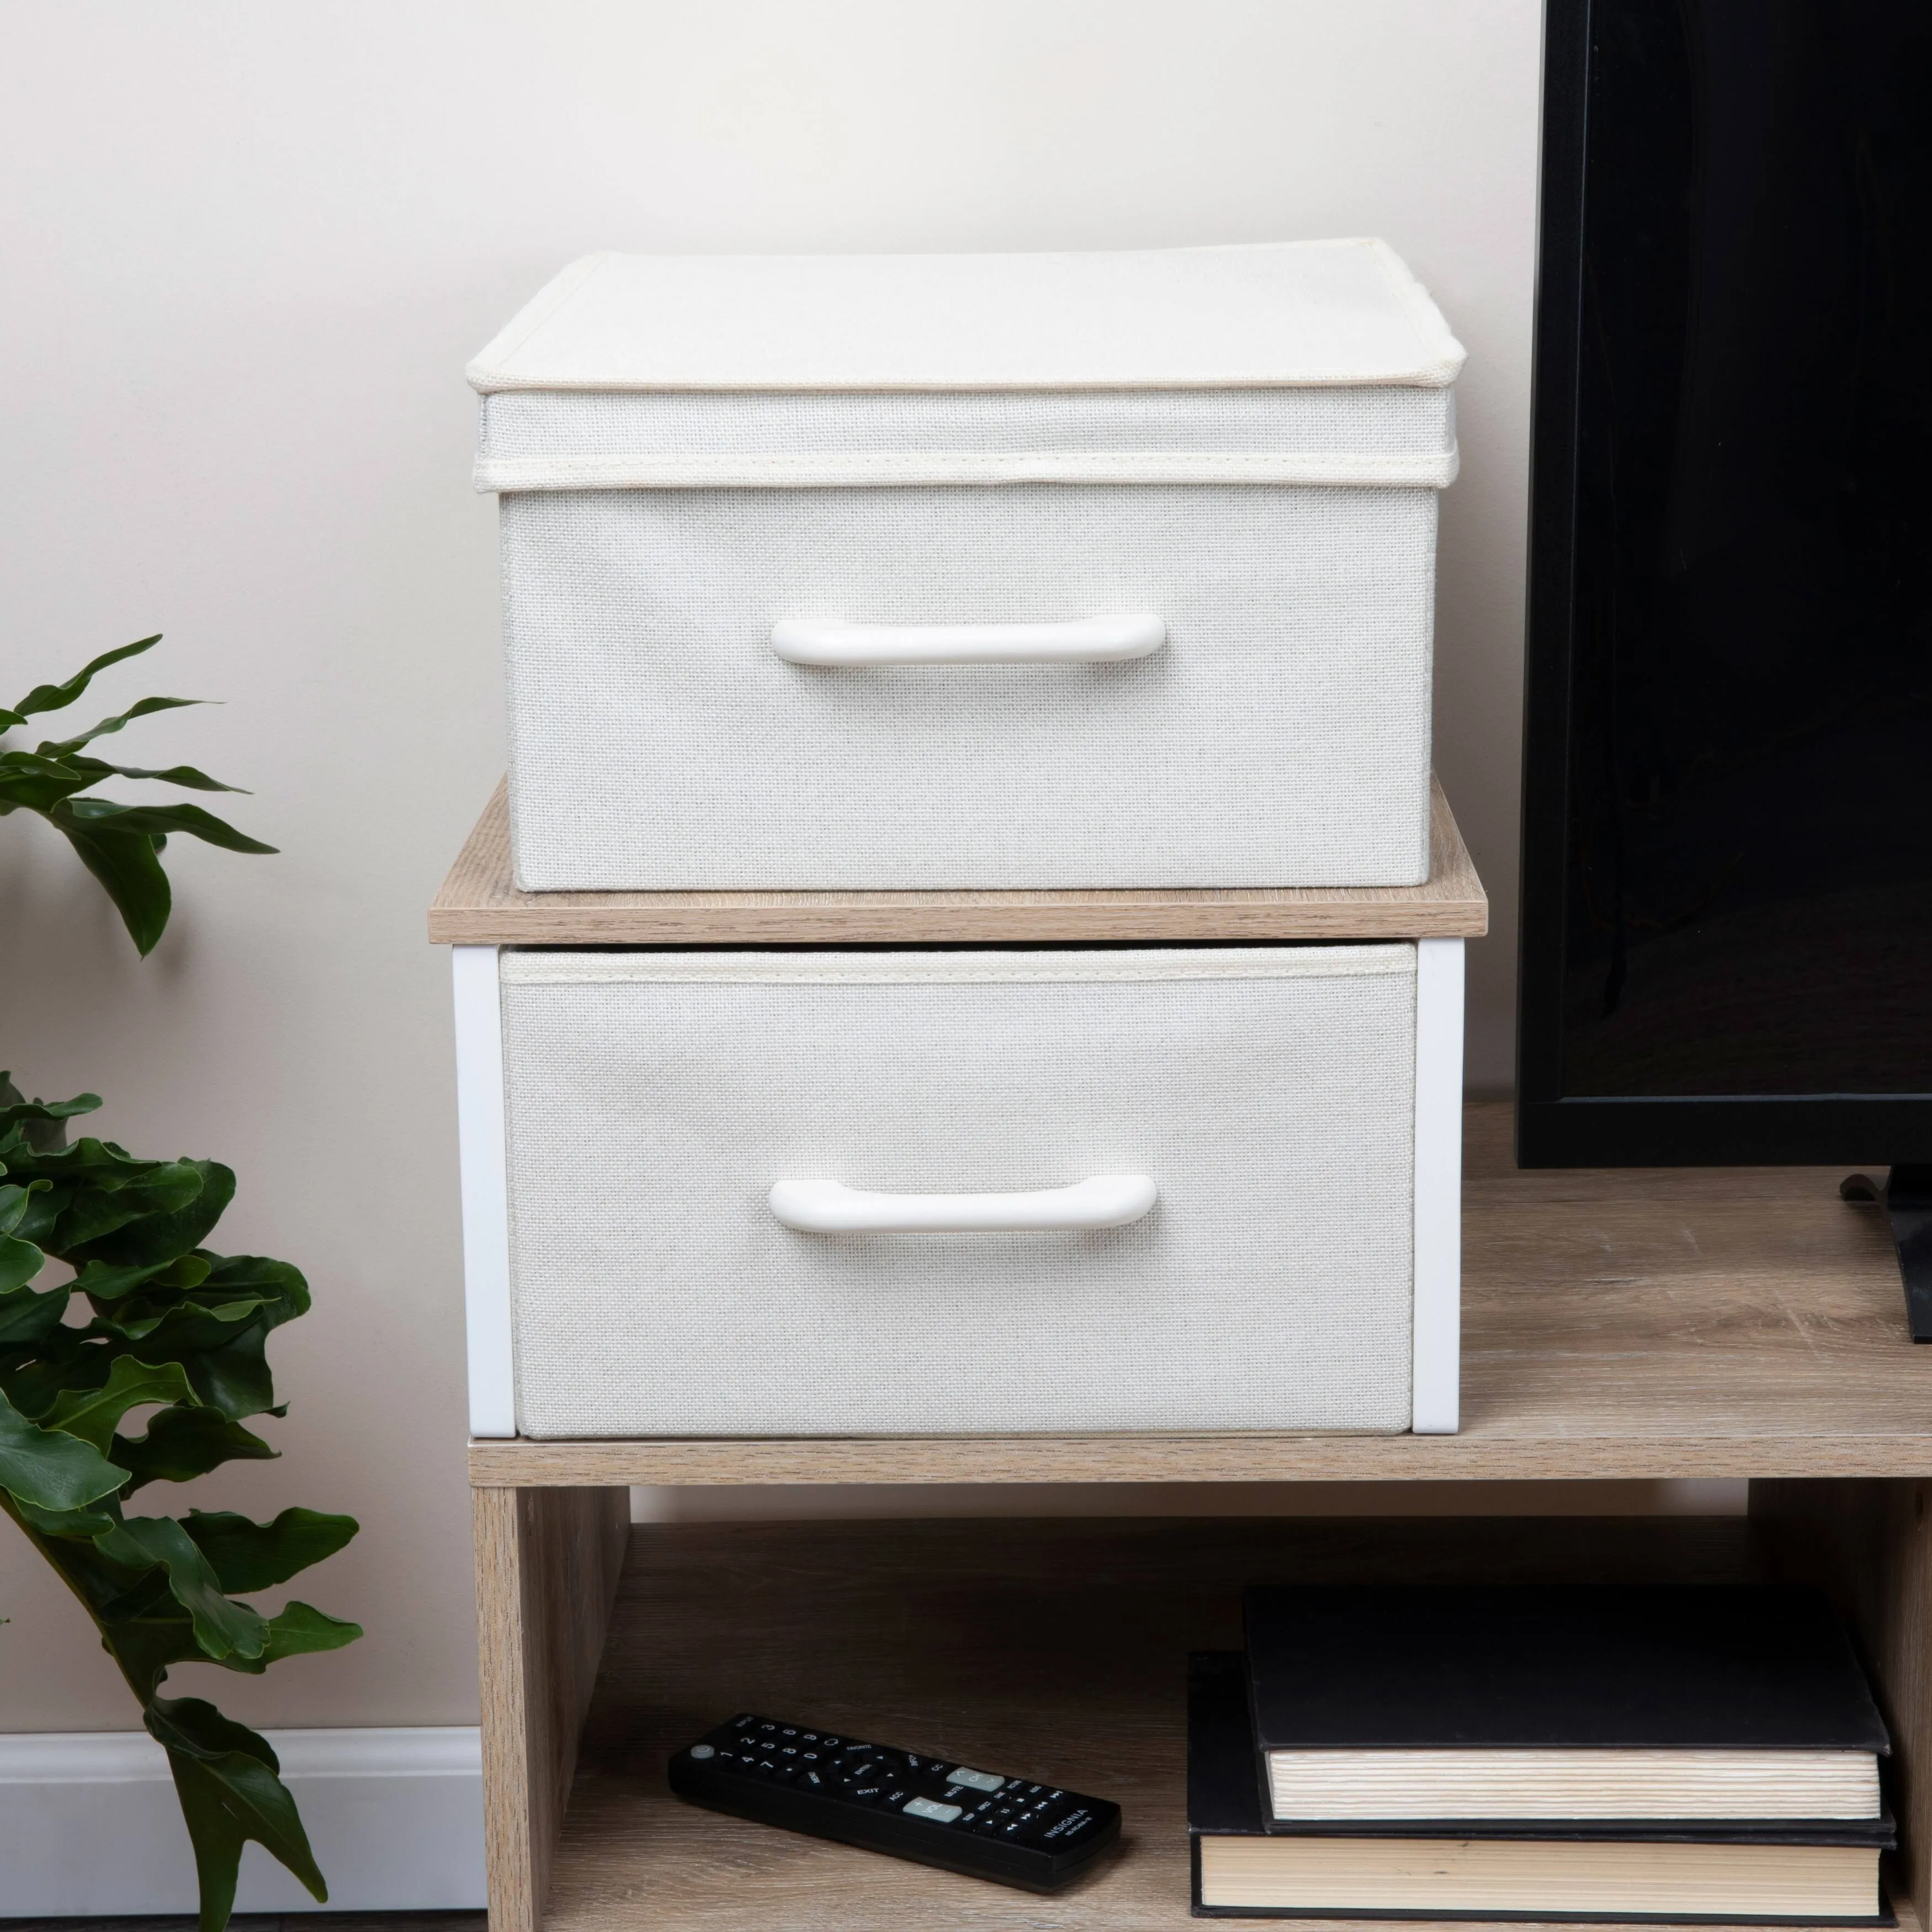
[
  {"x": 1295, "y": 362},
  {"x": 1296, "y": 313}
]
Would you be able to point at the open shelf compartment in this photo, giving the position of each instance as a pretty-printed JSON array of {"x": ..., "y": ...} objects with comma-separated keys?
[{"x": 1054, "y": 1648}]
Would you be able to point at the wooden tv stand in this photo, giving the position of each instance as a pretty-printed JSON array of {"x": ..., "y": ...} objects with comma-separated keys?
[{"x": 1625, "y": 1324}]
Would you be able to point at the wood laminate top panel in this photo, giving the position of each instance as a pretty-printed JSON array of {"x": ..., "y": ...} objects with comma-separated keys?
[
  {"x": 1617, "y": 1323},
  {"x": 479, "y": 905}
]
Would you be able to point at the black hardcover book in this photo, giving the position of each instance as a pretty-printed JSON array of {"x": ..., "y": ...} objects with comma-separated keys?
[
  {"x": 1716, "y": 1704},
  {"x": 1247, "y": 1866},
  {"x": 1735, "y": 1667}
]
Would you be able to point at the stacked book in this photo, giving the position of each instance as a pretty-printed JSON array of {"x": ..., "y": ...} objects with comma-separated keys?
[{"x": 1528, "y": 1752}]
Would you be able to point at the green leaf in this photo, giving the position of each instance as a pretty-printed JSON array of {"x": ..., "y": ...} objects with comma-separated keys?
[
  {"x": 248, "y": 1556},
  {"x": 41, "y": 1124},
  {"x": 100, "y": 814},
  {"x": 86, "y": 1522},
  {"x": 100, "y": 1281},
  {"x": 147, "y": 1647},
  {"x": 231, "y": 1375},
  {"x": 15, "y": 1106},
  {"x": 94, "y": 1414},
  {"x": 28, "y": 1316},
  {"x": 298, "y": 1630},
  {"x": 130, "y": 870},
  {"x": 58, "y": 697},
  {"x": 172, "y": 1323},
  {"x": 49, "y": 1468},
  {"x": 159, "y": 1216},
  {"x": 279, "y": 1284},
  {"x": 226, "y": 1777},
  {"x": 65, "y": 748},
  {"x": 181, "y": 1443},
  {"x": 120, "y": 845},
  {"x": 220, "y": 1627},
  {"x": 114, "y": 1593},
  {"x": 14, "y": 1202},
  {"x": 170, "y": 1334},
  {"x": 235, "y": 1378},
  {"x": 20, "y": 1261},
  {"x": 186, "y": 776},
  {"x": 30, "y": 782},
  {"x": 33, "y": 1379},
  {"x": 99, "y": 1164}
]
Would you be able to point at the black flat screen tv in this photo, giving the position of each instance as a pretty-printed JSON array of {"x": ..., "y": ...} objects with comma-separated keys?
[{"x": 1727, "y": 948}]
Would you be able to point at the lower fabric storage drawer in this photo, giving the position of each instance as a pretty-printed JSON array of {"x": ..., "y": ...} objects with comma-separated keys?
[{"x": 968, "y": 1191}]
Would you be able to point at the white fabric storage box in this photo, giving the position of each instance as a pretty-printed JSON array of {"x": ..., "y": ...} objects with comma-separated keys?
[
  {"x": 1023, "y": 570},
  {"x": 961, "y": 1192}
]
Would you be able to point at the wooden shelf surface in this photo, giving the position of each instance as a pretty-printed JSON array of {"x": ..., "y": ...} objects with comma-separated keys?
[
  {"x": 480, "y": 905},
  {"x": 1623, "y": 1323},
  {"x": 1053, "y": 1648}
]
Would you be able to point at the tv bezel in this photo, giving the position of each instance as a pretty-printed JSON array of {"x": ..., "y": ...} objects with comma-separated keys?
[{"x": 1554, "y": 1129}]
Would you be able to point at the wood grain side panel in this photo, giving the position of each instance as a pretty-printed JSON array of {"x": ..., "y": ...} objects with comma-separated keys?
[
  {"x": 1869, "y": 1547},
  {"x": 1903, "y": 1640},
  {"x": 506, "y": 1669},
  {"x": 547, "y": 1563}
]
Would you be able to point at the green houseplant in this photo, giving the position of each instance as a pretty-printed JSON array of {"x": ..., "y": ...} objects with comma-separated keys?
[{"x": 147, "y": 1319}]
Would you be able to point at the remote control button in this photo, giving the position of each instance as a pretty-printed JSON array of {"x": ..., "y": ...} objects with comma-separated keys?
[
  {"x": 980, "y": 1781},
  {"x": 940, "y": 1814},
  {"x": 866, "y": 1793},
  {"x": 703, "y": 1750}
]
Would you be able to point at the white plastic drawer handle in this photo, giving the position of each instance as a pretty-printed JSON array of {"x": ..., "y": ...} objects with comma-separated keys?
[
  {"x": 815, "y": 1207},
  {"x": 831, "y": 641}
]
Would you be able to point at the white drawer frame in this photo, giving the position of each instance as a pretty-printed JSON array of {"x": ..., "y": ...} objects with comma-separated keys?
[{"x": 1435, "y": 1373}]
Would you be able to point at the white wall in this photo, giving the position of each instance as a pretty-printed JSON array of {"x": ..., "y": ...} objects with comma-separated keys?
[{"x": 248, "y": 248}]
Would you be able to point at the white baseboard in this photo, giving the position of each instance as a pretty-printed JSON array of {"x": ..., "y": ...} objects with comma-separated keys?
[{"x": 89, "y": 1826}]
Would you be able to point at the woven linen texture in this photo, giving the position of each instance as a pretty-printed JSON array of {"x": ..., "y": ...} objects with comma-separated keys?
[
  {"x": 655, "y": 1294},
  {"x": 1380, "y": 421},
  {"x": 1281, "y": 737}
]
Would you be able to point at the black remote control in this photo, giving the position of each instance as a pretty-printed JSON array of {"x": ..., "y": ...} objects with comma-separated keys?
[{"x": 910, "y": 1804}]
